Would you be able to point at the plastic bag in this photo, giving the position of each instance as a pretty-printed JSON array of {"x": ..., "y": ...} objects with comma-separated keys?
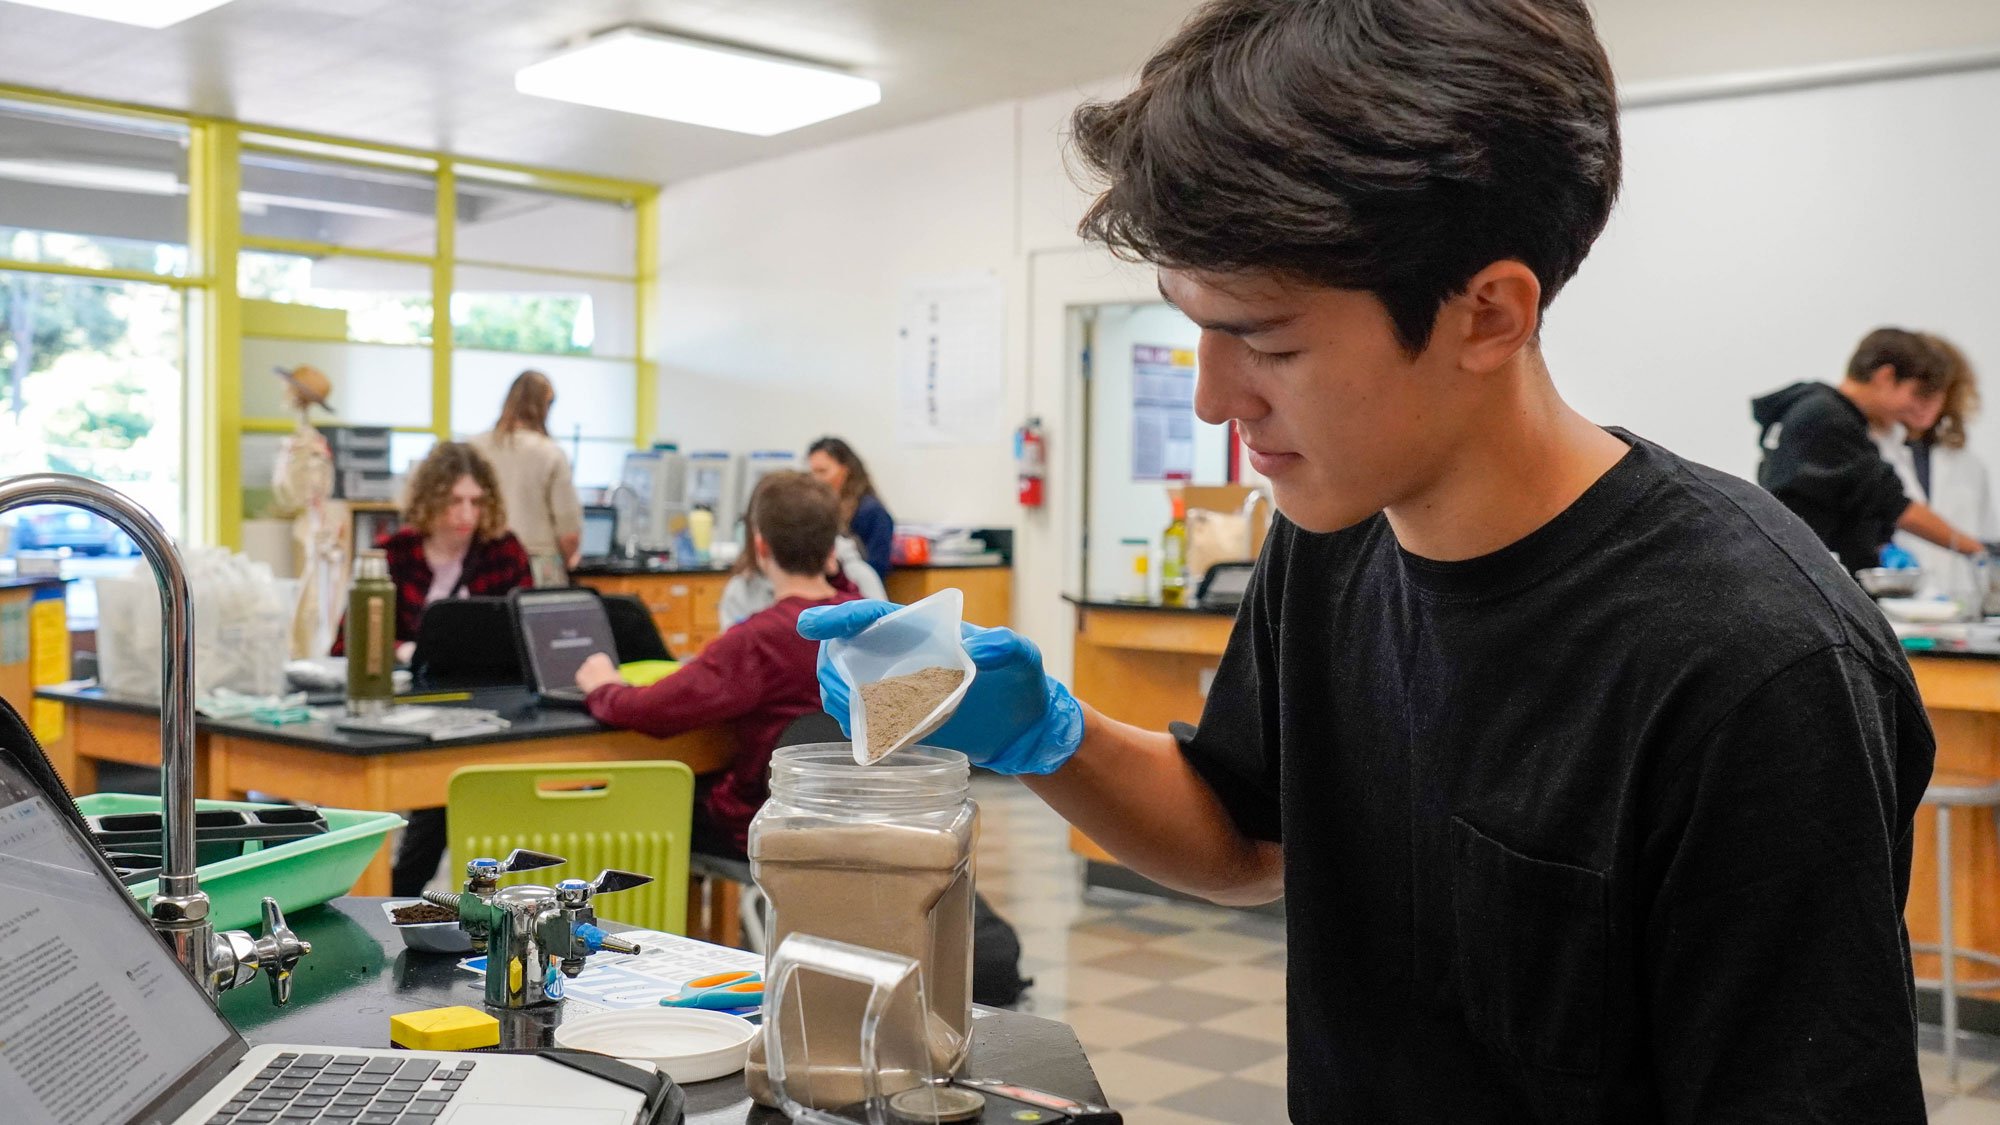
[
  {"x": 915, "y": 638},
  {"x": 242, "y": 617}
]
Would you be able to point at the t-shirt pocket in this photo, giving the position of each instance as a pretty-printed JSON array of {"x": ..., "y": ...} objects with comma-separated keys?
[{"x": 1532, "y": 949}]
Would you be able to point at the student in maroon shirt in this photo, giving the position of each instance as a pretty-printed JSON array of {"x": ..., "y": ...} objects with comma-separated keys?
[{"x": 757, "y": 677}]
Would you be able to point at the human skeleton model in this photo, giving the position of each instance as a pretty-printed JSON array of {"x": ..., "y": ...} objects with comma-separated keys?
[{"x": 302, "y": 481}]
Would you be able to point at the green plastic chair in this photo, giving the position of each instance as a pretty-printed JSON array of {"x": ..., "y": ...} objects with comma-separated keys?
[{"x": 632, "y": 815}]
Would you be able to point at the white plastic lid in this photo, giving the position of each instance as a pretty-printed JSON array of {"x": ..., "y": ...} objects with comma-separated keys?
[{"x": 687, "y": 1044}]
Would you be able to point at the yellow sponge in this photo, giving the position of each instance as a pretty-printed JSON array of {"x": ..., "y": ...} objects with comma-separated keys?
[{"x": 457, "y": 1028}]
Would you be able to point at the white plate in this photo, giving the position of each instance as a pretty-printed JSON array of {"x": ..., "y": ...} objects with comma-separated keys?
[
  {"x": 688, "y": 1044},
  {"x": 1923, "y": 611}
]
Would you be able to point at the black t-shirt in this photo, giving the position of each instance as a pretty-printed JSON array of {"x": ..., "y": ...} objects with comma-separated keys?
[
  {"x": 1612, "y": 824},
  {"x": 1821, "y": 463}
]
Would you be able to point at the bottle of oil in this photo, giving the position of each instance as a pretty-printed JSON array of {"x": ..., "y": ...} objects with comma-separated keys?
[
  {"x": 371, "y": 636},
  {"x": 1173, "y": 556}
]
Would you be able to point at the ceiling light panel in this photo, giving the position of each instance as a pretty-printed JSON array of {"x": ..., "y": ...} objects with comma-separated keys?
[
  {"x": 681, "y": 80},
  {"x": 140, "y": 13}
]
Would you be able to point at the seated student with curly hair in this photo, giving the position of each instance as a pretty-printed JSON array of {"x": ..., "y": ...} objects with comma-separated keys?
[{"x": 454, "y": 543}]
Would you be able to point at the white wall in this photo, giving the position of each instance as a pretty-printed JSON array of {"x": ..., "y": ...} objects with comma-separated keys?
[
  {"x": 777, "y": 317},
  {"x": 779, "y": 289},
  {"x": 1759, "y": 238}
]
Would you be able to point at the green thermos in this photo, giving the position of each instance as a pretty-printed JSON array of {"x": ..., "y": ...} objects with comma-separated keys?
[{"x": 371, "y": 636}]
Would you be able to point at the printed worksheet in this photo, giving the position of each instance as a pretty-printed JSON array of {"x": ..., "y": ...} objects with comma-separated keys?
[{"x": 612, "y": 982}]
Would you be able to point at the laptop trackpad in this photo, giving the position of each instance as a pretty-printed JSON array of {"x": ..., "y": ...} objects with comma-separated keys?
[{"x": 479, "y": 1114}]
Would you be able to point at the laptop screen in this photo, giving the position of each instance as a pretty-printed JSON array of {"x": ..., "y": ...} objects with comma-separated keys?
[
  {"x": 560, "y": 629},
  {"x": 600, "y": 531},
  {"x": 102, "y": 1024}
]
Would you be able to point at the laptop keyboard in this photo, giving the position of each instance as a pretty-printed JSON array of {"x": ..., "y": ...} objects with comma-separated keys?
[{"x": 346, "y": 1089}]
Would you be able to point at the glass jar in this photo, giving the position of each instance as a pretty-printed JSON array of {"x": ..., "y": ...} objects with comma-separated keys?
[{"x": 877, "y": 856}]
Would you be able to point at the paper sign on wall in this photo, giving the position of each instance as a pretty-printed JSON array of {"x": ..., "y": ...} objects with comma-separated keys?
[
  {"x": 1162, "y": 413},
  {"x": 950, "y": 383}
]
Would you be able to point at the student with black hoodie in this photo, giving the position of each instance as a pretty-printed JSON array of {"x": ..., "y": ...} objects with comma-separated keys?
[{"x": 1820, "y": 461}]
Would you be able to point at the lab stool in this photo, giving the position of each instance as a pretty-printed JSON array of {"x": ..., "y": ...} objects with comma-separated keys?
[
  {"x": 1948, "y": 791},
  {"x": 724, "y": 900}
]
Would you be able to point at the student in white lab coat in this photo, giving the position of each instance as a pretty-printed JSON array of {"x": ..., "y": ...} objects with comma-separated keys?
[{"x": 1938, "y": 469}]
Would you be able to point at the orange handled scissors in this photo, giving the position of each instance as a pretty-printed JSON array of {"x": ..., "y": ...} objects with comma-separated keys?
[{"x": 737, "y": 989}]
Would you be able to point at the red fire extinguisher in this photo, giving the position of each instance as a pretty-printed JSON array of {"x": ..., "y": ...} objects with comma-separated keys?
[{"x": 1030, "y": 462}]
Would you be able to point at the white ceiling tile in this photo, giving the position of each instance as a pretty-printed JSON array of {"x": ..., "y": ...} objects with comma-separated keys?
[{"x": 440, "y": 72}]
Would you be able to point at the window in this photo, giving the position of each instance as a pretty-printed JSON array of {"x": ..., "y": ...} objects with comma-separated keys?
[
  {"x": 93, "y": 363},
  {"x": 301, "y": 199},
  {"x": 548, "y": 282},
  {"x": 337, "y": 264},
  {"x": 92, "y": 191}
]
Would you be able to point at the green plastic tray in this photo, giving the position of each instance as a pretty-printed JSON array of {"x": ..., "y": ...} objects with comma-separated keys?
[{"x": 298, "y": 874}]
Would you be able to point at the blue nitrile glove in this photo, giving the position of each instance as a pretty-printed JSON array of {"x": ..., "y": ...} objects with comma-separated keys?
[{"x": 1014, "y": 718}]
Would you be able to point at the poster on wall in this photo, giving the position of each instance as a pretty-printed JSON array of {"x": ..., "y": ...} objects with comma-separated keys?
[
  {"x": 1162, "y": 413},
  {"x": 950, "y": 383}
]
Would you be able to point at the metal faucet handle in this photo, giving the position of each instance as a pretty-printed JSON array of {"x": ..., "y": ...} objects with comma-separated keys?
[
  {"x": 612, "y": 879},
  {"x": 486, "y": 869},
  {"x": 524, "y": 859},
  {"x": 234, "y": 956},
  {"x": 279, "y": 951}
]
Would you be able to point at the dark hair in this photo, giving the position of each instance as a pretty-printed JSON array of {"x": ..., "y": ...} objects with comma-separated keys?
[
  {"x": 527, "y": 405},
  {"x": 799, "y": 519},
  {"x": 429, "y": 490},
  {"x": 1909, "y": 354},
  {"x": 858, "y": 482},
  {"x": 1392, "y": 146},
  {"x": 1961, "y": 396}
]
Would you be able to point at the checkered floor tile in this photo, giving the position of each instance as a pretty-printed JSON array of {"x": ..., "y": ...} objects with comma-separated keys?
[{"x": 1181, "y": 1006}]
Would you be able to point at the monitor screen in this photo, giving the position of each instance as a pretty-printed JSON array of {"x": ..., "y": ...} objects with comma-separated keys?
[
  {"x": 600, "y": 532},
  {"x": 102, "y": 1023}
]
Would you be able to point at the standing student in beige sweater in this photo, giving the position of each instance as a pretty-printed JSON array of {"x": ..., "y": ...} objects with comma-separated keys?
[{"x": 534, "y": 475}]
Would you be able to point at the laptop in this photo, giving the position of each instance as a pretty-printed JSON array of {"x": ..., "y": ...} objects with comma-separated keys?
[
  {"x": 104, "y": 1027},
  {"x": 558, "y": 631},
  {"x": 600, "y": 534},
  {"x": 465, "y": 643}
]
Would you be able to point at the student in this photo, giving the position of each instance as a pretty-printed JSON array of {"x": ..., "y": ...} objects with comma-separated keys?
[
  {"x": 1821, "y": 461},
  {"x": 757, "y": 677},
  {"x": 748, "y": 592},
  {"x": 453, "y": 543},
  {"x": 1937, "y": 469},
  {"x": 534, "y": 475},
  {"x": 1585, "y": 773},
  {"x": 862, "y": 515}
]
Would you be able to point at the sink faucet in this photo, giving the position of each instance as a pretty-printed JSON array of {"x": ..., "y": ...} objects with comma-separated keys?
[{"x": 179, "y": 909}]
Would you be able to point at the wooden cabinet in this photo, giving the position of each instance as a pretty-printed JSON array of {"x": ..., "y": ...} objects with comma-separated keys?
[
  {"x": 989, "y": 590},
  {"x": 1147, "y": 667},
  {"x": 685, "y": 607},
  {"x": 1962, "y": 696}
]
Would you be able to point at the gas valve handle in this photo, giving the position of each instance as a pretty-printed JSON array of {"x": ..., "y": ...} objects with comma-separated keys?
[
  {"x": 612, "y": 879},
  {"x": 483, "y": 873},
  {"x": 525, "y": 859}
]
